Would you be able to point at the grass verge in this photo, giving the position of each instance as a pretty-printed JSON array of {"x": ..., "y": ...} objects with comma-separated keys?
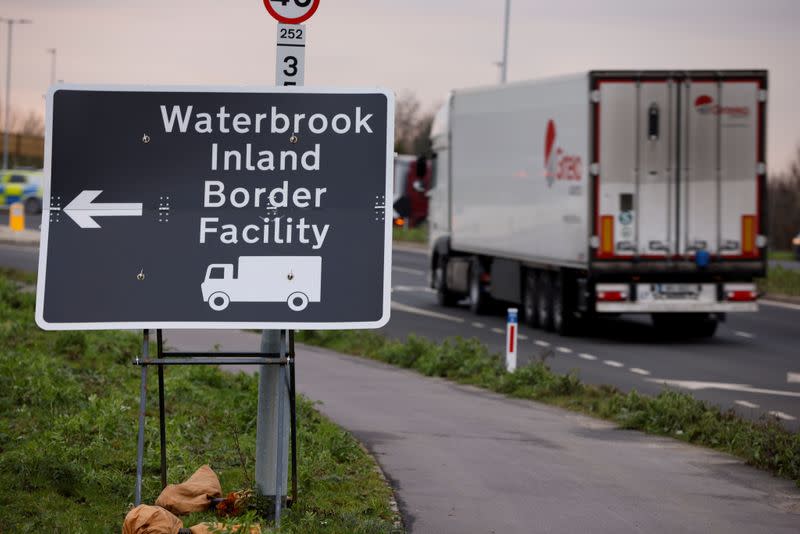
[
  {"x": 68, "y": 435},
  {"x": 765, "y": 444},
  {"x": 413, "y": 235},
  {"x": 781, "y": 255},
  {"x": 781, "y": 281}
]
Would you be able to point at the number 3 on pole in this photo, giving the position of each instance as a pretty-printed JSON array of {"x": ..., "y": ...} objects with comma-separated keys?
[{"x": 291, "y": 11}]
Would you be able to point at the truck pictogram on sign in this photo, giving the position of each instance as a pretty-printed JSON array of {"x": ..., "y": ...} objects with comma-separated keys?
[{"x": 295, "y": 280}]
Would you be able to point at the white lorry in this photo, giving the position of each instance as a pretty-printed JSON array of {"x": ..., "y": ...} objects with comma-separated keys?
[
  {"x": 603, "y": 193},
  {"x": 295, "y": 280}
]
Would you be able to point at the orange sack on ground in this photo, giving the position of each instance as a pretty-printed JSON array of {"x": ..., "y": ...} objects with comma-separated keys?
[
  {"x": 146, "y": 519},
  {"x": 194, "y": 495}
]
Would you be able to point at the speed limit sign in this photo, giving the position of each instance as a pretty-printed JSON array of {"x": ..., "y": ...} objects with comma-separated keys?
[{"x": 291, "y": 11}]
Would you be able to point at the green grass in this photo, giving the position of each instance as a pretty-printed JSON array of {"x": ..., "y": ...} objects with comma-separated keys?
[
  {"x": 765, "y": 444},
  {"x": 782, "y": 255},
  {"x": 68, "y": 435},
  {"x": 418, "y": 234},
  {"x": 781, "y": 281}
]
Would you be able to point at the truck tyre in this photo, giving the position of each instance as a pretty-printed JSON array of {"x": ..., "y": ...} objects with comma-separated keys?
[
  {"x": 443, "y": 296},
  {"x": 564, "y": 321},
  {"x": 218, "y": 301},
  {"x": 530, "y": 312},
  {"x": 479, "y": 300},
  {"x": 297, "y": 301},
  {"x": 544, "y": 301}
]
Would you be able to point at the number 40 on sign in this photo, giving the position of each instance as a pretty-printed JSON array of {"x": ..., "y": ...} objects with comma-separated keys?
[{"x": 291, "y": 11}]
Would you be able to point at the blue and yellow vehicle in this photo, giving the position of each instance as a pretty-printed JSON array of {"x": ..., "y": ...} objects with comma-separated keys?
[{"x": 23, "y": 186}]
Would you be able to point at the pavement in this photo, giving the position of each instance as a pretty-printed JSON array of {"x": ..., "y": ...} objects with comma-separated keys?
[
  {"x": 463, "y": 460},
  {"x": 752, "y": 365}
]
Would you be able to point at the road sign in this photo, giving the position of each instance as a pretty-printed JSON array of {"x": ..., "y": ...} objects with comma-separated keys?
[
  {"x": 290, "y": 55},
  {"x": 216, "y": 208},
  {"x": 291, "y": 11}
]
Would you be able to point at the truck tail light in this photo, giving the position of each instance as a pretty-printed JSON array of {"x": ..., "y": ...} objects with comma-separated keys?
[
  {"x": 611, "y": 296},
  {"x": 612, "y": 293},
  {"x": 748, "y": 235},
  {"x": 742, "y": 296},
  {"x": 607, "y": 235},
  {"x": 740, "y": 292}
]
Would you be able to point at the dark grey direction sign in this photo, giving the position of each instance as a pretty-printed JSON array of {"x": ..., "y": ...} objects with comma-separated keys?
[{"x": 216, "y": 208}]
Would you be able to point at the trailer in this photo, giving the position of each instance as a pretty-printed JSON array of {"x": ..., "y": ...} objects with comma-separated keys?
[
  {"x": 605, "y": 192},
  {"x": 295, "y": 280}
]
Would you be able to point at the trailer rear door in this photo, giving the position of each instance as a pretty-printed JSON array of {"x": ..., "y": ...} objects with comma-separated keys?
[{"x": 677, "y": 163}]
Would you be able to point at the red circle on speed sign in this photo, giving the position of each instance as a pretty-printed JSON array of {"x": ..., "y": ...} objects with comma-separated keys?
[{"x": 291, "y": 11}]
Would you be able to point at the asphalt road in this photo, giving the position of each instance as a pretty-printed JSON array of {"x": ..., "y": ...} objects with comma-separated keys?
[
  {"x": 462, "y": 460},
  {"x": 752, "y": 365}
]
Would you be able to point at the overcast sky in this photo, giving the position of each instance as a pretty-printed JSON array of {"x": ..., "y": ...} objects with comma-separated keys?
[{"x": 425, "y": 46}]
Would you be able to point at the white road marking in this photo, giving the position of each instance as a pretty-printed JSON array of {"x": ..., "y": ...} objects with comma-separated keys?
[
  {"x": 747, "y": 335},
  {"x": 781, "y": 415},
  {"x": 427, "y": 313},
  {"x": 565, "y": 350},
  {"x": 408, "y": 271},
  {"x": 746, "y": 404},
  {"x": 523, "y": 337},
  {"x": 612, "y": 363},
  {"x": 777, "y": 304},
  {"x": 793, "y": 378},
  {"x": 585, "y": 356},
  {"x": 693, "y": 385},
  {"x": 414, "y": 289},
  {"x": 498, "y": 331},
  {"x": 638, "y": 371},
  {"x": 478, "y": 325},
  {"x": 542, "y": 343}
]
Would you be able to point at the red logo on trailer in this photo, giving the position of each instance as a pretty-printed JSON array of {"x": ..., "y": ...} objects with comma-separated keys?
[
  {"x": 557, "y": 164},
  {"x": 291, "y": 11},
  {"x": 704, "y": 104}
]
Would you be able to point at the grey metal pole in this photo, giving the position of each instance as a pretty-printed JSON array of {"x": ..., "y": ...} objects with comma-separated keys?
[
  {"x": 269, "y": 420},
  {"x": 8, "y": 96},
  {"x": 504, "y": 63}
]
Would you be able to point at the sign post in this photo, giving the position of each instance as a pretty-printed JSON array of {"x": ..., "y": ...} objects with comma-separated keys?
[{"x": 271, "y": 422}]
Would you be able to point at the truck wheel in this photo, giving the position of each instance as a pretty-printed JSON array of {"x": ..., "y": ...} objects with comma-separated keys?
[
  {"x": 297, "y": 301},
  {"x": 544, "y": 301},
  {"x": 530, "y": 312},
  {"x": 219, "y": 301},
  {"x": 479, "y": 300},
  {"x": 443, "y": 296},
  {"x": 563, "y": 320}
]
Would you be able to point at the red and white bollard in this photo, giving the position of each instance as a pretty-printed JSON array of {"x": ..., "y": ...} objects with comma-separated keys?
[{"x": 511, "y": 340}]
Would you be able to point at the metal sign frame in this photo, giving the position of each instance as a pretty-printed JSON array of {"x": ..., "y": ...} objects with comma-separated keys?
[{"x": 140, "y": 325}]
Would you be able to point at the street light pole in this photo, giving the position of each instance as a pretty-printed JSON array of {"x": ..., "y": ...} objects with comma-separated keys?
[
  {"x": 52, "y": 51},
  {"x": 10, "y": 23},
  {"x": 504, "y": 62}
]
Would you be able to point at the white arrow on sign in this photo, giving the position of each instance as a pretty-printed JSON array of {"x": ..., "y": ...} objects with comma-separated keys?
[{"x": 82, "y": 210}]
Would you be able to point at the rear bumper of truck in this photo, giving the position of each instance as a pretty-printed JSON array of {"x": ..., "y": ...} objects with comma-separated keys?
[
  {"x": 676, "y": 306},
  {"x": 676, "y": 298}
]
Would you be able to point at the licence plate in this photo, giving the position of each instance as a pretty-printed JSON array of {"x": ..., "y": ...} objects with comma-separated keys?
[{"x": 678, "y": 290}]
